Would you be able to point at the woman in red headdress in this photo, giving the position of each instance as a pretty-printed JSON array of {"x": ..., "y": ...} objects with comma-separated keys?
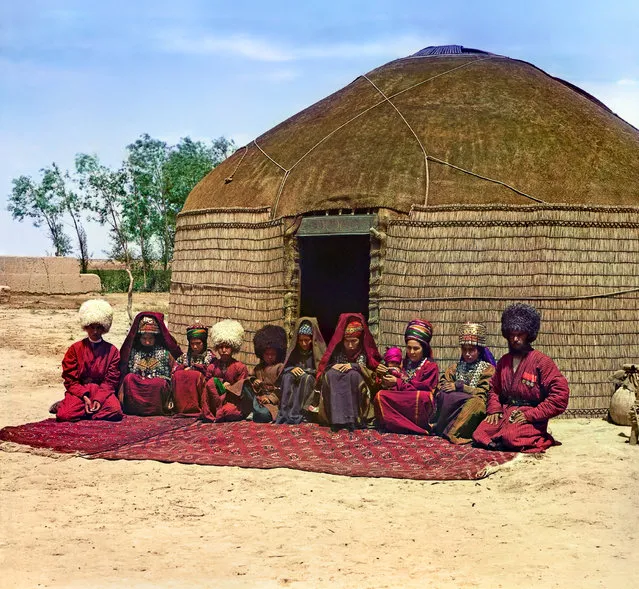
[
  {"x": 346, "y": 375},
  {"x": 406, "y": 403},
  {"x": 146, "y": 360}
]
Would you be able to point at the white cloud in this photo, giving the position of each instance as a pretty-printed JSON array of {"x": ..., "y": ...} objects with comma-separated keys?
[
  {"x": 241, "y": 45},
  {"x": 272, "y": 76},
  {"x": 259, "y": 49}
]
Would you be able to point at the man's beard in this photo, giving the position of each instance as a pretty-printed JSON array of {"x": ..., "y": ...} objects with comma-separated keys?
[{"x": 520, "y": 351}]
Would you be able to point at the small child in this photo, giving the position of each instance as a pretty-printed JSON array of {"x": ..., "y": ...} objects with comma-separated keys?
[
  {"x": 393, "y": 361},
  {"x": 189, "y": 371},
  {"x": 270, "y": 348},
  {"x": 391, "y": 364},
  {"x": 257, "y": 397},
  {"x": 226, "y": 338}
]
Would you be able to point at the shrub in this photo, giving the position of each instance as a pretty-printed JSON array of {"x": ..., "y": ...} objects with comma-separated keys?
[{"x": 118, "y": 280}]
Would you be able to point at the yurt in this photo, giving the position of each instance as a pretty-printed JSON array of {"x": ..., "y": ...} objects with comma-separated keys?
[{"x": 443, "y": 185}]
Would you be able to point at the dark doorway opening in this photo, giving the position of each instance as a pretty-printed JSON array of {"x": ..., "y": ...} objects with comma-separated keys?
[{"x": 334, "y": 278}]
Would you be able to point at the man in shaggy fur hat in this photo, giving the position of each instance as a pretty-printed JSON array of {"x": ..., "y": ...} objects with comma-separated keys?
[
  {"x": 90, "y": 369},
  {"x": 526, "y": 390}
]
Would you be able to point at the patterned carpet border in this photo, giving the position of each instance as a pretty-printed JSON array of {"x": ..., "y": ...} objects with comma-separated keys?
[
  {"x": 89, "y": 437},
  {"x": 309, "y": 447}
]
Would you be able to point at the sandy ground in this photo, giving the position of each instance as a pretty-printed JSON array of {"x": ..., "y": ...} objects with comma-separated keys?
[{"x": 569, "y": 519}]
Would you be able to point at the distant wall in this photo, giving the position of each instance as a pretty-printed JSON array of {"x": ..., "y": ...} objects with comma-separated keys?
[{"x": 46, "y": 276}]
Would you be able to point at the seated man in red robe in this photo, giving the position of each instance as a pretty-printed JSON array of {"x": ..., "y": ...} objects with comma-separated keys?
[
  {"x": 90, "y": 369},
  {"x": 526, "y": 390}
]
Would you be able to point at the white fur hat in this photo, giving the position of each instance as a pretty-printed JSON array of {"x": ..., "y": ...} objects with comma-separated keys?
[
  {"x": 227, "y": 331},
  {"x": 96, "y": 311}
]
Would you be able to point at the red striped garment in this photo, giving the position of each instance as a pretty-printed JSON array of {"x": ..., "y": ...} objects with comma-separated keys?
[{"x": 538, "y": 389}]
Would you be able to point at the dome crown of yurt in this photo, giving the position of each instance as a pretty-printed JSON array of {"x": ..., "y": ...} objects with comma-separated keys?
[{"x": 445, "y": 125}]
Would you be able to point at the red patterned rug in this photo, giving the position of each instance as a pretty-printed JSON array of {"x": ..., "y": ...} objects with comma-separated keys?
[
  {"x": 89, "y": 437},
  {"x": 303, "y": 447}
]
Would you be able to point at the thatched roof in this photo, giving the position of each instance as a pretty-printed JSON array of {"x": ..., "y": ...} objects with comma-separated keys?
[{"x": 422, "y": 130}]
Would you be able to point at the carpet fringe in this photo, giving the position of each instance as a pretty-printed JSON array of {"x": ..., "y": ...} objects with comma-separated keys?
[{"x": 493, "y": 468}]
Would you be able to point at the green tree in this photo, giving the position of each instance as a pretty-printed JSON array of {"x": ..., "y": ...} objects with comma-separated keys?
[
  {"x": 104, "y": 192},
  {"x": 146, "y": 209},
  {"x": 74, "y": 206},
  {"x": 139, "y": 202},
  {"x": 42, "y": 202},
  {"x": 188, "y": 162},
  {"x": 162, "y": 177}
]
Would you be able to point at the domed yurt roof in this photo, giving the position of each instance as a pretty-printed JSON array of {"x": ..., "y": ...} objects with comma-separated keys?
[{"x": 447, "y": 125}]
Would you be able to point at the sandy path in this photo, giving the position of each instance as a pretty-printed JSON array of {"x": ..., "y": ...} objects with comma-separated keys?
[{"x": 566, "y": 520}]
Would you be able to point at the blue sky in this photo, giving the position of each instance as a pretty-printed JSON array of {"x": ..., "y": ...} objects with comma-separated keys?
[{"x": 89, "y": 76}]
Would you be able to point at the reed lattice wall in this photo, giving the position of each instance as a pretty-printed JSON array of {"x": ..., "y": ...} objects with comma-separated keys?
[
  {"x": 578, "y": 265},
  {"x": 228, "y": 264}
]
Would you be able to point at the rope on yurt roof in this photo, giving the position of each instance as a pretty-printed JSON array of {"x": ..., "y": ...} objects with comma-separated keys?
[
  {"x": 450, "y": 71},
  {"x": 348, "y": 122},
  {"x": 230, "y": 178},
  {"x": 279, "y": 192},
  {"x": 281, "y": 188},
  {"x": 421, "y": 145},
  {"x": 504, "y": 184},
  {"x": 269, "y": 157},
  {"x": 432, "y": 158},
  {"x": 427, "y": 157}
]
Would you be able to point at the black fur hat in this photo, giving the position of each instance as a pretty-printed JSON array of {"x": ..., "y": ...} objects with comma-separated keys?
[
  {"x": 270, "y": 336},
  {"x": 521, "y": 317}
]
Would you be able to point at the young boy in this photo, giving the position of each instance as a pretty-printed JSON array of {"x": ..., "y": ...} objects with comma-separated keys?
[{"x": 90, "y": 369}]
